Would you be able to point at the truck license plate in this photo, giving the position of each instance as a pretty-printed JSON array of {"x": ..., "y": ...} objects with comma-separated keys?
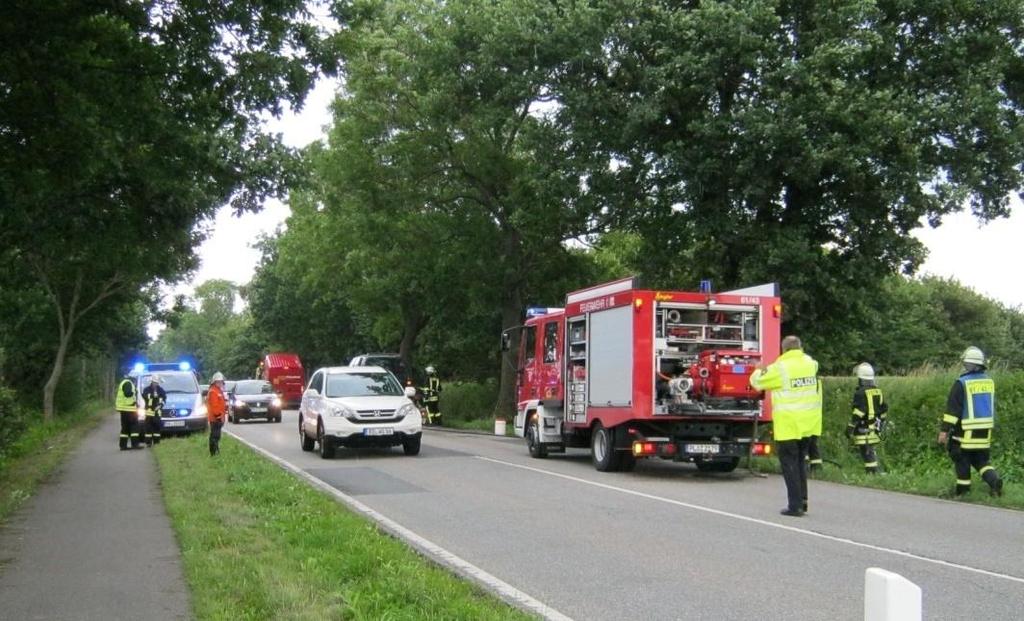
[
  {"x": 174, "y": 423},
  {"x": 705, "y": 449},
  {"x": 378, "y": 431}
]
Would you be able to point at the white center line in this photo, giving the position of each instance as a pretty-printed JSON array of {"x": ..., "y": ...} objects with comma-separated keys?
[{"x": 753, "y": 520}]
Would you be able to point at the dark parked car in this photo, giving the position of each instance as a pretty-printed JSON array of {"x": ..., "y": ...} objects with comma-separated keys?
[{"x": 254, "y": 399}]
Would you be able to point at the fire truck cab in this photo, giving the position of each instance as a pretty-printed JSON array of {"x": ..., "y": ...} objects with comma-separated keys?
[{"x": 634, "y": 373}]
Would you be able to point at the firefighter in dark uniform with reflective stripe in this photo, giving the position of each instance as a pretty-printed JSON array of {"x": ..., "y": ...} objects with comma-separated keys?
[
  {"x": 153, "y": 398},
  {"x": 127, "y": 406},
  {"x": 432, "y": 396},
  {"x": 868, "y": 421},
  {"x": 969, "y": 422}
]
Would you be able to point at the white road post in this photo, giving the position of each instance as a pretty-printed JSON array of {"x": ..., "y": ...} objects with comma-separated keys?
[{"x": 890, "y": 597}]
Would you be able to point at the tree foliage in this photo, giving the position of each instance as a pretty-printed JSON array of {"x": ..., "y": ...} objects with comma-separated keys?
[
  {"x": 122, "y": 124},
  {"x": 799, "y": 142}
]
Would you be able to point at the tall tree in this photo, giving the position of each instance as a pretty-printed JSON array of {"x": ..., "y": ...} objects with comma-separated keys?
[
  {"x": 799, "y": 141},
  {"x": 124, "y": 123},
  {"x": 459, "y": 93}
]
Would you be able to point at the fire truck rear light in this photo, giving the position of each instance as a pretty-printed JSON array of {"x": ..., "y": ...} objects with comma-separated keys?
[
  {"x": 777, "y": 310},
  {"x": 637, "y": 303},
  {"x": 644, "y": 448},
  {"x": 762, "y": 448}
]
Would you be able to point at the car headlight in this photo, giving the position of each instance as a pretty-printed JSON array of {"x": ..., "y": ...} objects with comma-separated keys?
[
  {"x": 201, "y": 410},
  {"x": 408, "y": 409},
  {"x": 340, "y": 410},
  {"x": 141, "y": 413},
  {"x": 276, "y": 402}
]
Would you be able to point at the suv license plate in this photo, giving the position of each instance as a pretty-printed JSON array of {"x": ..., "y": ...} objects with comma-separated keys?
[
  {"x": 257, "y": 410},
  {"x": 378, "y": 431},
  {"x": 174, "y": 423},
  {"x": 705, "y": 449}
]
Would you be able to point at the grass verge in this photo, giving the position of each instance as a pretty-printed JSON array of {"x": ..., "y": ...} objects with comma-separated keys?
[
  {"x": 34, "y": 456},
  {"x": 258, "y": 543}
]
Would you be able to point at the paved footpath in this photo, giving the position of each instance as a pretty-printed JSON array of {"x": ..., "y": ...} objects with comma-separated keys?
[{"x": 95, "y": 542}]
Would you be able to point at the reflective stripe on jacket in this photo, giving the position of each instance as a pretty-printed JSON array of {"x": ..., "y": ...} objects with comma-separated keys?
[
  {"x": 123, "y": 402},
  {"x": 796, "y": 395}
]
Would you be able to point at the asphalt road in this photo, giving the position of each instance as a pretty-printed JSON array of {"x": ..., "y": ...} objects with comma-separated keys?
[{"x": 667, "y": 542}]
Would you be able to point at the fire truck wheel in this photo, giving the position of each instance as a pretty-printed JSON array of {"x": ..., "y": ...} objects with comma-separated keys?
[
  {"x": 537, "y": 450},
  {"x": 602, "y": 450}
]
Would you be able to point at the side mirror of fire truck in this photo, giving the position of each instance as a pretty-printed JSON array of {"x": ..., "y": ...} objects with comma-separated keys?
[{"x": 506, "y": 341}]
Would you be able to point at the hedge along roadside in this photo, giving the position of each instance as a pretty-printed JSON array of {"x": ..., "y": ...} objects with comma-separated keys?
[
  {"x": 259, "y": 543},
  {"x": 31, "y": 456}
]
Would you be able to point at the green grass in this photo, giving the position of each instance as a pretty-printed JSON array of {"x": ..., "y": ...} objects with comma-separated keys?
[
  {"x": 259, "y": 543},
  {"x": 37, "y": 452}
]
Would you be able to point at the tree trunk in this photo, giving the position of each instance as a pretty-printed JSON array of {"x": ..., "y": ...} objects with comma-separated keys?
[
  {"x": 511, "y": 316},
  {"x": 50, "y": 387},
  {"x": 413, "y": 323}
]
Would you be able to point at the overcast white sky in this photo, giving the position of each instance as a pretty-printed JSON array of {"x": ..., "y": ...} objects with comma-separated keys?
[{"x": 979, "y": 257}]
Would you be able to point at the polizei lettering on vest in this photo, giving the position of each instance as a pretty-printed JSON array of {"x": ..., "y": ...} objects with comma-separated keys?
[{"x": 801, "y": 382}]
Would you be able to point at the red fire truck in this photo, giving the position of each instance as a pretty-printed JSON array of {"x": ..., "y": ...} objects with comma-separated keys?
[{"x": 635, "y": 373}]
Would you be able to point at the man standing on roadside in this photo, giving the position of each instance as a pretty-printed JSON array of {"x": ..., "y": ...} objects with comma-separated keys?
[
  {"x": 796, "y": 415},
  {"x": 970, "y": 416},
  {"x": 216, "y": 410},
  {"x": 127, "y": 406},
  {"x": 153, "y": 398}
]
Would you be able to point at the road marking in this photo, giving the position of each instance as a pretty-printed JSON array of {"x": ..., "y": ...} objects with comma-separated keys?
[
  {"x": 427, "y": 548},
  {"x": 753, "y": 520}
]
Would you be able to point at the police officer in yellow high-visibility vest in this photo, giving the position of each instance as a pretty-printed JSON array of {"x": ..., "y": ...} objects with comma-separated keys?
[
  {"x": 126, "y": 405},
  {"x": 970, "y": 417},
  {"x": 796, "y": 415}
]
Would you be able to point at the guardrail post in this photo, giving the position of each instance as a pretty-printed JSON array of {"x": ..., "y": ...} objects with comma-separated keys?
[{"x": 890, "y": 597}]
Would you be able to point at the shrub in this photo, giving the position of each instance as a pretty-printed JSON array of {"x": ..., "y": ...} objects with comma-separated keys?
[{"x": 466, "y": 401}]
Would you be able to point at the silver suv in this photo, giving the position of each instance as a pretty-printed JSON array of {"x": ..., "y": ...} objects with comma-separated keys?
[{"x": 357, "y": 407}]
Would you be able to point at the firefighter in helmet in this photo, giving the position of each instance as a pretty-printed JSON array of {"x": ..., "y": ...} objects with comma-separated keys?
[
  {"x": 868, "y": 421},
  {"x": 432, "y": 396},
  {"x": 153, "y": 398},
  {"x": 969, "y": 422},
  {"x": 126, "y": 405}
]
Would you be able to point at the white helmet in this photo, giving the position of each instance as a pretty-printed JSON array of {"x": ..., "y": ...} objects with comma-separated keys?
[
  {"x": 217, "y": 377},
  {"x": 865, "y": 372},
  {"x": 973, "y": 355},
  {"x": 156, "y": 379},
  {"x": 430, "y": 370}
]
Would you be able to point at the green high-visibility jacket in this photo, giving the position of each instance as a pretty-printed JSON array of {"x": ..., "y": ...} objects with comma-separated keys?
[
  {"x": 124, "y": 401},
  {"x": 796, "y": 395}
]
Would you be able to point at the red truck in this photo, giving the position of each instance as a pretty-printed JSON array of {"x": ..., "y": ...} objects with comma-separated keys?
[
  {"x": 285, "y": 373},
  {"x": 634, "y": 373}
]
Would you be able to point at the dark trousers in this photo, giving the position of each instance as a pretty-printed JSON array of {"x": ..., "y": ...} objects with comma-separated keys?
[
  {"x": 129, "y": 429},
  {"x": 152, "y": 429},
  {"x": 813, "y": 453},
  {"x": 215, "y": 427},
  {"x": 964, "y": 460},
  {"x": 867, "y": 452},
  {"x": 792, "y": 458},
  {"x": 433, "y": 410}
]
